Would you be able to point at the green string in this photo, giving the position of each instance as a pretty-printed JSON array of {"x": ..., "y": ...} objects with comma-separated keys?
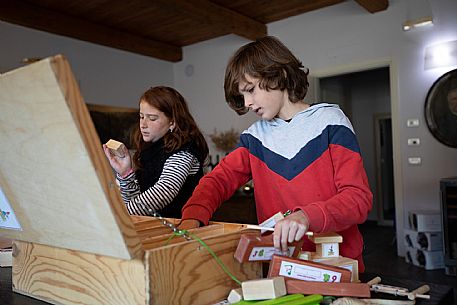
[{"x": 218, "y": 260}]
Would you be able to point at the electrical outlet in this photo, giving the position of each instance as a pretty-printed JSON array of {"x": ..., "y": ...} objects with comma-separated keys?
[
  {"x": 414, "y": 142},
  {"x": 412, "y": 122}
]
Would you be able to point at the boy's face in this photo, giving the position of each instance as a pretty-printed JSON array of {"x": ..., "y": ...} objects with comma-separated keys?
[{"x": 266, "y": 104}]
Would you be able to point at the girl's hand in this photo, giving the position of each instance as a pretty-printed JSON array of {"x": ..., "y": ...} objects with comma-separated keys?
[
  {"x": 121, "y": 165},
  {"x": 291, "y": 228}
]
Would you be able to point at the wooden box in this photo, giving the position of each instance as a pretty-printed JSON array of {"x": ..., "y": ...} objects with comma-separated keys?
[{"x": 74, "y": 240}]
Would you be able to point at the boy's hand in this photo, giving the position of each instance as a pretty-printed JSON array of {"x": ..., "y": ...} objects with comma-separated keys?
[
  {"x": 290, "y": 229},
  {"x": 187, "y": 224}
]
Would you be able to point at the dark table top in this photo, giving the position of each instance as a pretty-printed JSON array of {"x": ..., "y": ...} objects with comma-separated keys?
[{"x": 439, "y": 294}]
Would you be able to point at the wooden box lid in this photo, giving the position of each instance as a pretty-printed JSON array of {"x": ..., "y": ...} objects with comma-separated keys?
[{"x": 54, "y": 177}]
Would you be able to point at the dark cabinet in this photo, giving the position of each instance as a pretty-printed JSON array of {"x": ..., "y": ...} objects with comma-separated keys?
[
  {"x": 240, "y": 208},
  {"x": 448, "y": 188}
]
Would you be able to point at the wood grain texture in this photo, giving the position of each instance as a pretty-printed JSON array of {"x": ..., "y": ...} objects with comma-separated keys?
[
  {"x": 360, "y": 290},
  {"x": 186, "y": 273},
  {"x": 56, "y": 176},
  {"x": 60, "y": 276}
]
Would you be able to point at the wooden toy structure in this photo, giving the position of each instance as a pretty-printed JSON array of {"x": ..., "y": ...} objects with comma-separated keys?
[
  {"x": 75, "y": 243},
  {"x": 327, "y": 244},
  {"x": 327, "y": 252}
]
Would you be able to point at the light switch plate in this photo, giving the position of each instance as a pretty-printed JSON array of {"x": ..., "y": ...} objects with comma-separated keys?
[{"x": 414, "y": 160}]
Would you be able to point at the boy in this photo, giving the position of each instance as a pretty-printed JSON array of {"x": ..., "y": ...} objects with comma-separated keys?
[{"x": 303, "y": 158}]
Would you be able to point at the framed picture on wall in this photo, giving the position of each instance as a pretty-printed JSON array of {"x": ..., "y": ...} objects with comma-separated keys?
[
  {"x": 441, "y": 109},
  {"x": 115, "y": 123}
]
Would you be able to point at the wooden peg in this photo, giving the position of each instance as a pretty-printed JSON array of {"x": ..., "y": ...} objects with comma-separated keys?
[{"x": 419, "y": 291}]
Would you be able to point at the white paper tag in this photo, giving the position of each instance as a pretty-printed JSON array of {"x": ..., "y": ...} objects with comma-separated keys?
[
  {"x": 7, "y": 217},
  {"x": 308, "y": 273},
  {"x": 266, "y": 253}
]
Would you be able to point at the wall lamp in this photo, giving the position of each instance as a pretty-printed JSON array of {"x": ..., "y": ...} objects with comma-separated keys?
[
  {"x": 441, "y": 55},
  {"x": 416, "y": 23}
]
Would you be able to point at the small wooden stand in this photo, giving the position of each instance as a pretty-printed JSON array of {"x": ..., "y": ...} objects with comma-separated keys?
[{"x": 77, "y": 244}]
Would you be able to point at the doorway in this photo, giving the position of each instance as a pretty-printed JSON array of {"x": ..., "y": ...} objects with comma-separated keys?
[
  {"x": 385, "y": 194},
  {"x": 364, "y": 96}
]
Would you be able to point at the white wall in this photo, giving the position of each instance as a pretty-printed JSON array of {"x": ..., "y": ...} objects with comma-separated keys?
[
  {"x": 106, "y": 76},
  {"x": 335, "y": 39},
  {"x": 204, "y": 89}
]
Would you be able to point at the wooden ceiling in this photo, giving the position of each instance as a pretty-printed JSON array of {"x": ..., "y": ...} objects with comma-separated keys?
[{"x": 160, "y": 28}]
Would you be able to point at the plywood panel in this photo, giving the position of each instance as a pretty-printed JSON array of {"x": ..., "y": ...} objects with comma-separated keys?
[
  {"x": 69, "y": 277},
  {"x": 53, "y": 171},
  {"x": 187, "y": 274}
]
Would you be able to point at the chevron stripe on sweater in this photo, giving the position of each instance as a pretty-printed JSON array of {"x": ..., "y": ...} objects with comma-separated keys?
[{"x": 313, "y": 149}]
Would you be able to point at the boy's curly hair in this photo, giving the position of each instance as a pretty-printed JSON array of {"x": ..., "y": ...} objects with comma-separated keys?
[{"x": 269, "y": 60}]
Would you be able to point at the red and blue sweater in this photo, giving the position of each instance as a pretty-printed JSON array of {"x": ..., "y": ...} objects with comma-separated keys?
[{"x": 311, "y": 163}]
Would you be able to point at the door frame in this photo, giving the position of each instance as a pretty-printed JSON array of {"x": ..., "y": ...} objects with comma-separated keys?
[{"x": 394, "y": 110}]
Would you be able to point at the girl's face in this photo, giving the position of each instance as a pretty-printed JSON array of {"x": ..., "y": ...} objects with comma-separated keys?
[
  {"x": 154, "y": 124},
  {"x": 266, "y": 104}
]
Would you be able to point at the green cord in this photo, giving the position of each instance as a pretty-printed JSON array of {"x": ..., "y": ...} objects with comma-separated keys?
[{"x": 218, "y": 260}]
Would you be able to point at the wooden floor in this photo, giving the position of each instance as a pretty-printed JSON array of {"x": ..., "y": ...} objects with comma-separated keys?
[{"x": 380, "y": 256}]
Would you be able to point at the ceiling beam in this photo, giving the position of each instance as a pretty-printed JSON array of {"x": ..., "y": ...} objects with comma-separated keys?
[
  {"x": 226, "y": 20},
  {"x": 35, "y": 17},
  {"x": 374, "y": 6}
]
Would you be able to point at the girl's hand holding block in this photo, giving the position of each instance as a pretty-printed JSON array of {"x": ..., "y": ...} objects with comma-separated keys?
[{"x": 116, "y": 148}]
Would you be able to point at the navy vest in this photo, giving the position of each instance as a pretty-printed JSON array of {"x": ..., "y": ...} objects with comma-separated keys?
[{"x": 152, "y": 159}]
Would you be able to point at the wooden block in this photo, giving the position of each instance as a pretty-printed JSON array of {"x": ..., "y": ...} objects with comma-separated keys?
[
  {"x": 344, "y": 262},
  {"x": 305, "y": 255},
  {"x": 271, "y": 222},
  {"x": 307, "y": 270},
  {"x": 329, "y": 237},
  {"x": 263, "y": 289},
  {"x": 360, "y": 290},
  {"x": 253, "y": 247},
  {"x": 235, "y": 295},
  {"x": 326, "y": 250},
  {"x": 116, "y": 148}
]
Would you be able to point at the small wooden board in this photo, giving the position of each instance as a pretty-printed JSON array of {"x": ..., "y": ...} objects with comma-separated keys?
[
  {"x": 360, "y": 290},
  {"x": 307, "y": 270},
  {"x": 255, "y": 248}
]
